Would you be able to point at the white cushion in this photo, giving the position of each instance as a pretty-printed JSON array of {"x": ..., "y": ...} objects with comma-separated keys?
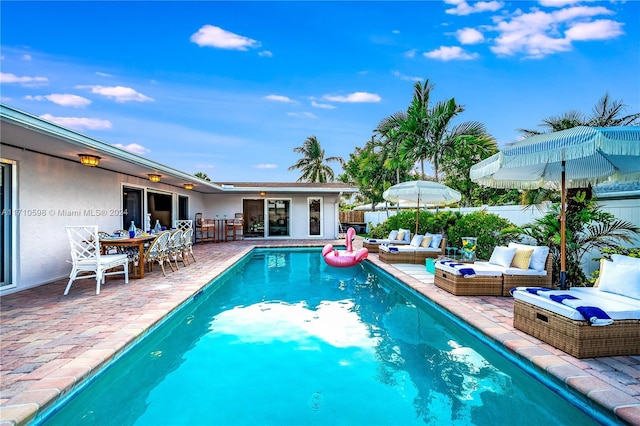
[
  {"x": 620, "y": 279},
  {"x": 407, "y": 235},
  {"x": 416, "y": 240},
  {"x": 392, "y": 235},
  {"x": 538, "y": 258},
  {"x": 620, "y": 259},
  {"x": 502, "y": 256}
]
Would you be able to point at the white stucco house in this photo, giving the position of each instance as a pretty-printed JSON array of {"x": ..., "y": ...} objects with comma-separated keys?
[{"x": 44, "y": 187}]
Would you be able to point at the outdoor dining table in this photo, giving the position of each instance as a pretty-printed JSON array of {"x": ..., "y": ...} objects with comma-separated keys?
[{"x": 138, "y": 241}]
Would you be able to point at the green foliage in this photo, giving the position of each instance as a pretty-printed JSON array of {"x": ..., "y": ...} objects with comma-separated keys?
[
  {"x": 588, "y": 228},
  {"x": 485, "y": 226},
  {"x": 606, "y": 254}
]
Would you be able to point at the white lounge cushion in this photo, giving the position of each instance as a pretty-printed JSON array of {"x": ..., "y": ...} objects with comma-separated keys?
[
  {"x": 617, "y": 307},
  {"x": 484, "y": 270},
  {"x": 620, "y": 278},
  {"x": 502, "y": 256},
  {"x": 383, "y": 241},
  {"x": 393, "y": 235},
  {"x": 513, "y": 271},
  {"x": 539, "y": 256},
  {"x": 401, "y": 248}
]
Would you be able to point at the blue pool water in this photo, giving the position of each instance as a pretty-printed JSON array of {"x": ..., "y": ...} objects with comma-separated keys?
[{"x": 283, "y": 339}]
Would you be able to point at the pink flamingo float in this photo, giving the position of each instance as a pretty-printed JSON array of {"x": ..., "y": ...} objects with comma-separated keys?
[{"x": 344, "y": 258}]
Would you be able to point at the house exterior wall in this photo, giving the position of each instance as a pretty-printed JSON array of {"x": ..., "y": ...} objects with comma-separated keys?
[
  {"x": 53, "y": 193},
  {"x": 229, "y": 204}
]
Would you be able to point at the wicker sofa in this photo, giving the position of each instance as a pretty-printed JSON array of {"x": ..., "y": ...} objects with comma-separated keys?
[
  {"x": 563, "y": 325},
  {"x": 410, "y": 253},
  {"x": 498, "y": 276},
  {"x": 373, "y": 244}
]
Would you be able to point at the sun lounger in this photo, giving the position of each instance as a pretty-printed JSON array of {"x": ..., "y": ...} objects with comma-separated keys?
[
  {"x": 414, "y": 252},
  {"x": 373, "y": 244},
  {"x": 564, "y": 326},
  {"x": 468, "y": 279}
]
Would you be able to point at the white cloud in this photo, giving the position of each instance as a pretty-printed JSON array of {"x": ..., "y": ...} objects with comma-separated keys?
[
  {"x": 118, "y": 93},
  {"x": 279, "y": 98},
  {"x": 26, "y": 57},
  {"x": 103, "y": 74},
  {"x": 25, "y": 81},
  {"x": 133, "y": 148},
  {"x": 302, "y": 114},
  {"x": 266, "y": 54},
  {"x": 79, "y": 123},
  {"x": 212, "y": 36},
  {"x": 410, "y": 53},
  {"x": 600, "y": 29},
  {"x": 395, "y": 31},
  {"x": 67, "y": 100},
  {"x": 448, "y": 53},
  {"x": 405, "y": 77},
  {"x": 324, "y": 106},
  {"x": 469, "y": 36},
  {"x": 464, "y": 8},
  {"x": 539, "y": 33},
  {"x": 266, "y": 166},
  {"x": 558, "y": 3},
  {"x": 356, "y": 97}
]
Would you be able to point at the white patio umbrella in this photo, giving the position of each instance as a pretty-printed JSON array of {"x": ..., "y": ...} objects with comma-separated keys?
[
  {"x": 572, "y": 158},
  {"x": 422, "y": 192}
]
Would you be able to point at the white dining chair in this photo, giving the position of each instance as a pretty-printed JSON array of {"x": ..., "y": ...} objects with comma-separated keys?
[{"x": 85, "y": 257}]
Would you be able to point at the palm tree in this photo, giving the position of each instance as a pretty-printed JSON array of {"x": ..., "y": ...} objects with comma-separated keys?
[
  {"x": 606, "y": 113},
  {"x": 390, "y": 132},
  {"x": 312, "y": 164}
]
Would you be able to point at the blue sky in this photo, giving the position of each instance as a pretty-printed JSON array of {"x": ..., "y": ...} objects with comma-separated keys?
[{"x": 230, "y": 88}]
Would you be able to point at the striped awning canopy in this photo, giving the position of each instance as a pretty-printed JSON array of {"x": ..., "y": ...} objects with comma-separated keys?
[{"x": 592, "y": 155}]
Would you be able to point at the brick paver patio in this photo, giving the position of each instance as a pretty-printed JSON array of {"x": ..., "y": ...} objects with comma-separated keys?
[{"x": 50, "y": 342}]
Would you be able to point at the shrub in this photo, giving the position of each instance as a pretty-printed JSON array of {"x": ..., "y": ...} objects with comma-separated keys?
[{"x": 485, "y": 226}]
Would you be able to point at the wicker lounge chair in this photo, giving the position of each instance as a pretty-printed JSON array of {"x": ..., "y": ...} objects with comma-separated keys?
[
  {"x": 373, "y": 244},
  {"x": 566, "y": 329},
  {"x": 486, "y": 282}
]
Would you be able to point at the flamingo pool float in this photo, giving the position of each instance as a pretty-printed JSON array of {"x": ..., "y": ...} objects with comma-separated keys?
[{"x": 344, "y": 258}]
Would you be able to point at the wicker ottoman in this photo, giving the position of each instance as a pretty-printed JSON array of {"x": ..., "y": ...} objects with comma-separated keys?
[
  {"x": 577, "y": 338},
  {"x": 401, "y": 256},
  {"x": 480, "y": 285}
]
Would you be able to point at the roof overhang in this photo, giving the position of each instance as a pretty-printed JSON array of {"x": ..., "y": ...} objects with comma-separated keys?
[{"x": 29, "y": 132}]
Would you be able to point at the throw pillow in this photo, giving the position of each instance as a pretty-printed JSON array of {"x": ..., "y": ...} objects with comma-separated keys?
[
  {"x": 426, "y": 241},
  {"x": 416, "y": 240},
  {"x": 502, "y": 256},
  {"x": 393, "y": 235},
  {"x": 620, "y": 279},
  {"x": 400, "y": 235},
  {"x": 407, "y": 235},
  {"x": 538, "y": 258},
  {"x": 522, "y": 258},
  {"x": 620, "y": 259},
  {"x": 435, "y": 241}
]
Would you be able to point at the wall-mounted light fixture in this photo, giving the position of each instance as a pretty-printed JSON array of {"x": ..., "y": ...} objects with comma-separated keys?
[
  {"x": 262, "y": 193},
  {"x": 154, "y": 178},
  {"x": 188, "y": 186},
  {"x": 89, "y": 160}
]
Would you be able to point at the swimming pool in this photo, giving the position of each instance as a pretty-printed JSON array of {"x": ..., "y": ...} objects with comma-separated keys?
[{"x": 284, "y": 339}]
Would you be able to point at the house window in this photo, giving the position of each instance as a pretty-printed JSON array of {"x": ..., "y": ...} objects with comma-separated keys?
[
  {"x": 132, "y": 204},
  {"x": 278, "y": 218},
  {"x": 183, "y": 208},
  {"x": 315, "y": 216},
  {"x": 159, "y": 205},
  {"x": 7, "y": 221}
]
